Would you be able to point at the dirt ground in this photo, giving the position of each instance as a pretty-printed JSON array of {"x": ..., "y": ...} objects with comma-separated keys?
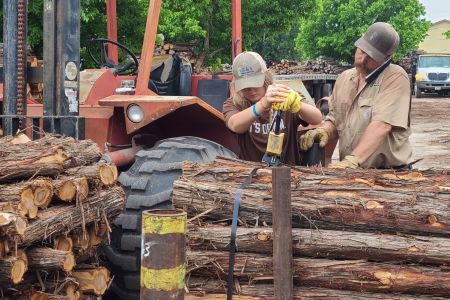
[
  {"x": 430, "y": 123},
  {"x": 430, "y": 138}
]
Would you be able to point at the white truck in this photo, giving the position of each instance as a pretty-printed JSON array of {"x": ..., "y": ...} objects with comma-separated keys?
[{"x": 433, "y": 74}]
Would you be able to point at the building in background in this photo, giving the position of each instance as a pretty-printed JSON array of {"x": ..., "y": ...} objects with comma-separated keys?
[{"x": 436, "y": 41}]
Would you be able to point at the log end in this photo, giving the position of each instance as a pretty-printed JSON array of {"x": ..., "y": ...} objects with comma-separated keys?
[
  {"x": 63, "y": 243},
  {"x": 108, "y": 174},
  {"x": 43, "y": 194},
  {"x": 66, "y": 192},
  {"x": 69, "y": 262},
  {"x": 83, "y": 188},
  {"x": 19, "y": 267}
]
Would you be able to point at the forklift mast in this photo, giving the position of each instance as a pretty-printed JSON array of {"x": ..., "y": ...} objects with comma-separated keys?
[{"x": 61, "y": 69}]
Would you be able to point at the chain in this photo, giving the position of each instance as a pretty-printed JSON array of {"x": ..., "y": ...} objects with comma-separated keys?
[{"x": 21, "y": 56}]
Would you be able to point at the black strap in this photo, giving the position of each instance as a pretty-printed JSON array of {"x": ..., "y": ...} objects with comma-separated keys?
[{"x": 237, "y": 201}]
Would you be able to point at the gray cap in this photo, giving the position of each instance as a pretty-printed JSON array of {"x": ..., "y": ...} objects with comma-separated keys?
[
  {"x": 379, "y": 41},
  {"x": 248, "y": 71}
]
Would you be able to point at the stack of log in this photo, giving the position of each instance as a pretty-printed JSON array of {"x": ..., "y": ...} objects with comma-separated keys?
[
  {"x": 183, "y": 49},
  {"x": 56, "y": 207},
  {"x": 358, "y": 234},
  {"x": 35, "y": 91},
  {"x": 321, "y": 65}
]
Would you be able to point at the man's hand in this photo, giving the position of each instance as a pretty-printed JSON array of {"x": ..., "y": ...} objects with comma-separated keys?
[
  {"x": 318, "y": 134},
  {"x": 350, "y": 162},
  {"x": 292, "y": 103}
]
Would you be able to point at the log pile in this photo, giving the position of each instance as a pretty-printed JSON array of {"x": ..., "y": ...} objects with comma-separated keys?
[
  {"x": 358, "y": 234},
  {"x": 321, "y": 65},
  {"x": 56, "y": 207},
  {"x": 35, "y": 91}
]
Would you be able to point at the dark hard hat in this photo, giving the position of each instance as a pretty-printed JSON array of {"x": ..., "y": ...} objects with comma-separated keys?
[{"x": 379, "y": 41}]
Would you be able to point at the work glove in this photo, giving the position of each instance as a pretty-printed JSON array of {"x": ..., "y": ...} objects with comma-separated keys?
[
  {"x": 317, "y": 134},
  {"x": 350, "y": 162},
  {"x": 292, "y": 103}
]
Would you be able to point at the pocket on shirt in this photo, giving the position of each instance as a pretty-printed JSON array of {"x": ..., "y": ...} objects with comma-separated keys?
[{"x": 365, "y": 109}]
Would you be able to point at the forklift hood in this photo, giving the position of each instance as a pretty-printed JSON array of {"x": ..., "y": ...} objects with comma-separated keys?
[{"x": 156, "y": 107}]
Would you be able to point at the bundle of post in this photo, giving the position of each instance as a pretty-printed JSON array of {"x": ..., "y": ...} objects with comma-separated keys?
[
  {"x": 357, "y": 234},
  {"x": 56, "y": 208}
]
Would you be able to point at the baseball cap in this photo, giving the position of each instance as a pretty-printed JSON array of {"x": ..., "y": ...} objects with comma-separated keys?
[
  {"x": 248, "y": 70},
  {"x": 379, "y": 41}
]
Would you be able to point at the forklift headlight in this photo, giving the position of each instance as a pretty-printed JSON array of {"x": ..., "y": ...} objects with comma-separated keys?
[
  {"x": 135, "y": 113},
  {"x": 421, "y": 77}
]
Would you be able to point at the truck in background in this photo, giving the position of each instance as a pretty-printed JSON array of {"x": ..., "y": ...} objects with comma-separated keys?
[{"x": 432, "y": 74}]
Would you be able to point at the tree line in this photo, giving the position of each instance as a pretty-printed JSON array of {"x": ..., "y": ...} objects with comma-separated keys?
[{"x": 278, "y": 29}]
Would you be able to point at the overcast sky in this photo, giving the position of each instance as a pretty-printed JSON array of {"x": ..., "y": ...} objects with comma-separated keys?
[{"x": 436, "y": 10}]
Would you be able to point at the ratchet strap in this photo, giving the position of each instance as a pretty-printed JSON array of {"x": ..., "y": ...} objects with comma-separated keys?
[{"x": 237, "y": 200}]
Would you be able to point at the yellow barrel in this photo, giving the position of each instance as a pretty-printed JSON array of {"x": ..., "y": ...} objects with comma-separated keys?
[{"x": 163, "y": 254}]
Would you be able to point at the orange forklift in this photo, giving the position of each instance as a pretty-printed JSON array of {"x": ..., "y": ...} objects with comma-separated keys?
[{"x": 139, "y": 122}]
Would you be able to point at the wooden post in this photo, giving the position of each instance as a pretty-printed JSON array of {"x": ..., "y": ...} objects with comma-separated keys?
[
  {"x": 282, "y": 233},
  {"x": 163, "y": 254}
]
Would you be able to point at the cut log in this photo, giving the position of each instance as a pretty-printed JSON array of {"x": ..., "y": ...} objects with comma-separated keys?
[
  {"x": 43, "y": 192},
  {"x": 79, "y": 152},
  {"x": 92, "y": 280},
  {"x": 63, "y": 243},
  {"x": 12, "y": 269},
  {"x": 18, "y": 161},
  {"x": 39, "y": 296},
  {"x": 206, "y": 288},
  {"x": 61, "y": 219},
  {"x": 369, "y": 200},
  {"x": 50, "y": 259},
  {"x": 328, "y": 244},
  {"x": 25, "y": 197},
  {"x": 11, "y": 224},
  {"x": 67, "y": 188},
  {"x": 356, "y": 275},
  {"x": 98, "y": 175}
]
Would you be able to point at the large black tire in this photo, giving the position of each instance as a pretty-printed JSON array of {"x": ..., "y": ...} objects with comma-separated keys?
[{"x": 148, "y": 184}]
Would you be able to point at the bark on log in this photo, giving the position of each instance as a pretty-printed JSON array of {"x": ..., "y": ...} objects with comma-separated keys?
[
  {"x": 12, "y": 269},
  {"x": 79, "y": 152},
  {"x": 40, "y": 189},
  {"x": 356, "y": 275},
  {"x": 207, "y": 288},
  {"x": 62, "y": 219},
  {"x": 330, "y": 244},
  {"x": 51, "y": 259},
  {"x": 11, "y": 224},
  {"x": 18, "y": 161},
  {"x": 368, "y": 200},
  {"x": 98, "y": 175},
  {"x": 92, "y": 280},
  {"x": 24, "y": 198}
]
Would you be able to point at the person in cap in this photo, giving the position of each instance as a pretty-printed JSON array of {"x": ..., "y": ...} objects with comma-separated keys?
[
  {"x": 371, "y": 118},
  {"x": 249, "y": 110}
]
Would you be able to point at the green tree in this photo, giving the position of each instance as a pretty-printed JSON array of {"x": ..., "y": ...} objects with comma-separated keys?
[{"x": 336, "y": 24}]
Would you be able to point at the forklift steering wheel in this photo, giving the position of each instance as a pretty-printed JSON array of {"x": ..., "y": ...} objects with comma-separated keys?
[{"x": 119, "y": 69}]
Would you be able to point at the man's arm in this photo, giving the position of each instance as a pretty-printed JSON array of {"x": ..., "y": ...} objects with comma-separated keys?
[
  {"x": 331, "y": 128},
  {"x": 372, "y": 138}
]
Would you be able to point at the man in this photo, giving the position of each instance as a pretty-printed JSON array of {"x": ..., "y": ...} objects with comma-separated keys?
[{"x": 370, "y": 119}]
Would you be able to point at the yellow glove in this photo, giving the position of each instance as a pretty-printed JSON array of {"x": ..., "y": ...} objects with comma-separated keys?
[
  {"x": 317, "y": 134},
  {"x": 350, "y": 161},
  {"x": 292, "y": 103}
]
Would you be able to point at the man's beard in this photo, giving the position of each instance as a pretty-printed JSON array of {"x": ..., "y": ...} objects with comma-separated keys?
[{"x": 361, "y": 68}]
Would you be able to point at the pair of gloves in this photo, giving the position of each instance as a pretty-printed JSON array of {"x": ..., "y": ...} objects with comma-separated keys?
[
  {"x": 292, "y": 103},
  {"x": 321, "y": 134}
]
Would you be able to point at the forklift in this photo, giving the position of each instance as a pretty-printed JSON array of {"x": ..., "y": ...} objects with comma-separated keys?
[{"x": 146, "y": 134}]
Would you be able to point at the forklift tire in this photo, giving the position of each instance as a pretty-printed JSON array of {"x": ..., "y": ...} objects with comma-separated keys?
[{"x": 148, "y": 185}]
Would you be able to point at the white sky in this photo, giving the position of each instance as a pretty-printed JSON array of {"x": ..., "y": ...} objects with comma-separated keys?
[{"x": 436, "y": 10}]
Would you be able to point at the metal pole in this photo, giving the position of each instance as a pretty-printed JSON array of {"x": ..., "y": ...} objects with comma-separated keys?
[
  {"x": 236, "y": 27},
  {"x": 62, "y": 68},
  {"x": 15, "y": 64},
  {"x": 282, "y": 233},
  {"x": 163, "y": 254},
  {"x": 111, "y": 20}
]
